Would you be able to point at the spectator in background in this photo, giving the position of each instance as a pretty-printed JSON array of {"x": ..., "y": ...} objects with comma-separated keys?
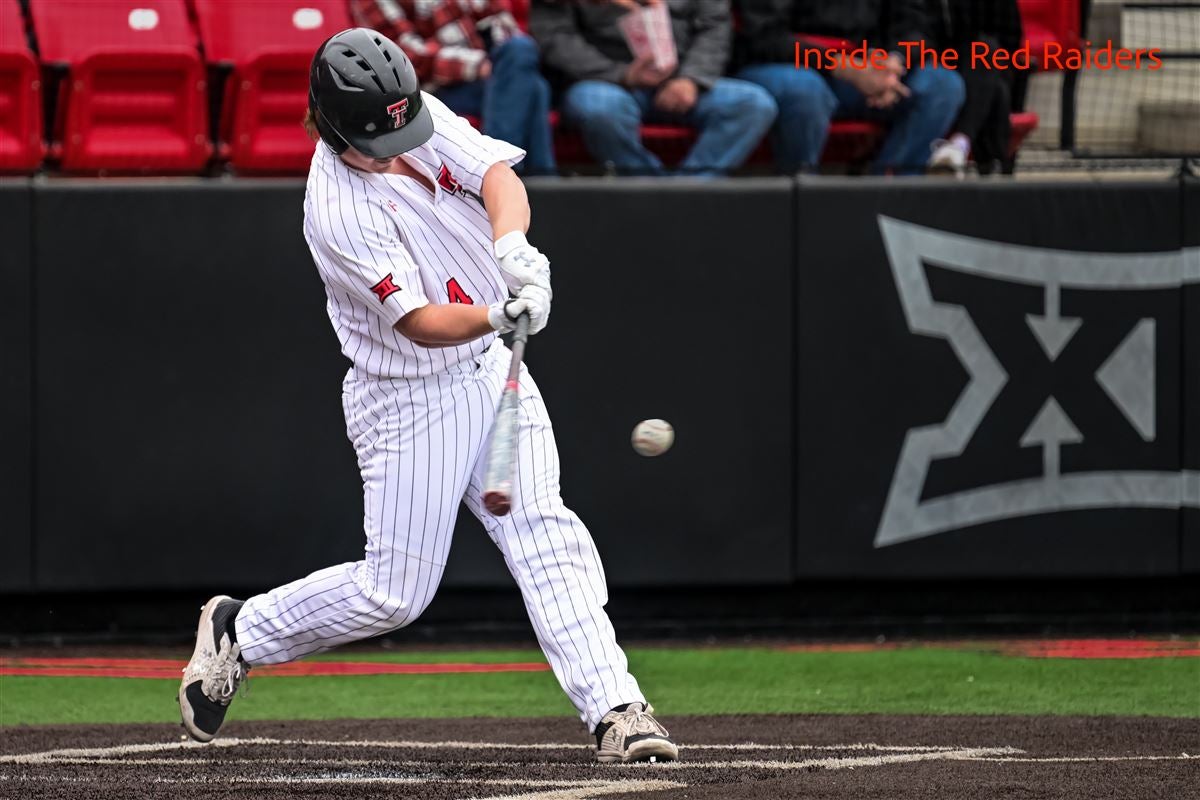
[
  {"x": 474, "y": 58},
  {"x": 983, "y": 123},
  {"x": 919, "y": 104},
  {"x": 611, "y": 93}
]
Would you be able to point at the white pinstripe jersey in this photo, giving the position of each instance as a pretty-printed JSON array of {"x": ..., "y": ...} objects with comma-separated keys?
[{"x": 385, "y": 246}]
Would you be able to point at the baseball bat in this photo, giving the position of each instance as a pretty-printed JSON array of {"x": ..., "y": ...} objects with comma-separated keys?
[{"x": 502, "y": 457}]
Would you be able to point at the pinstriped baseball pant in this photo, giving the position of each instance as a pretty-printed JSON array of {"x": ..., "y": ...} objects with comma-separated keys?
[{"x": 420, "y": 445}]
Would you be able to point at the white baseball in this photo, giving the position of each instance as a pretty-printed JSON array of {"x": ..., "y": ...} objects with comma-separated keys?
[{"x": 653, "y": 437}]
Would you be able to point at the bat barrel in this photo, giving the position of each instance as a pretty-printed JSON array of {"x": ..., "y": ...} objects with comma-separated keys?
[
  {"x": 502, "y": 456},
  {"x": 498, "y": 503}
]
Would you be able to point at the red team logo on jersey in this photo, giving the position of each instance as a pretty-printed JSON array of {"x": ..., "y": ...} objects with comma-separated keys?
[
  {"x": 452, "y": 185},
  {"x": 399, "y": 111},
  {"x": 448, "y": 181},
  {"x": 385, "y": 288}
]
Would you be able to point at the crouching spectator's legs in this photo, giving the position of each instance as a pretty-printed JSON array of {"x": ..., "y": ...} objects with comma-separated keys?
[
  {"x": 610, "y": 120},
  {"x": 937, "y": 96},
  {"x": 731, "y": 118},
  {"x": 516, "y": 103},
  {"x": 806, "y": 105}
]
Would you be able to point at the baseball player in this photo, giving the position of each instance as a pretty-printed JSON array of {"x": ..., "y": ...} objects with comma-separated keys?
[{"x": 417, "y": 225}]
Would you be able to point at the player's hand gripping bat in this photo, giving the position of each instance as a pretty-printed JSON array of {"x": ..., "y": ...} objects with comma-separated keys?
[{"x": 502, "y": 457}]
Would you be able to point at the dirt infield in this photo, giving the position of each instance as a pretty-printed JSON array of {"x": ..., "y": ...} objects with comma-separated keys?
[{"x": 723, "y": 758}]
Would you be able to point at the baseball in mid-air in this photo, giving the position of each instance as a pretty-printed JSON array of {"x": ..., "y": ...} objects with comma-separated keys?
[{"x": 653, "y": 437}]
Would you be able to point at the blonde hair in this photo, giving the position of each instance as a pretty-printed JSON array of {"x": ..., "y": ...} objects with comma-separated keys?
[{"x": 310, "y": 125}]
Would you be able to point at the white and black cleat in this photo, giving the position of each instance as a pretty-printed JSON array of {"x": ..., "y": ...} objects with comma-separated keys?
[
  {"x": 212, "y": 677},
  {"x": 632, "y": 734}
]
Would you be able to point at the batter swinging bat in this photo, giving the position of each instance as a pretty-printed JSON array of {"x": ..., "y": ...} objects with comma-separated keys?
[{"x": 502, "y": 458}]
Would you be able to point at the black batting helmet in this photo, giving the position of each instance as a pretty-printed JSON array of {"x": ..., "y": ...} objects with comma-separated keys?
[{"x": 364, "y": 94}]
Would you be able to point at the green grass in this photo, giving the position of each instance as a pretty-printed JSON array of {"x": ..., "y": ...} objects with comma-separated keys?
[{"x": 678, "y": 681}]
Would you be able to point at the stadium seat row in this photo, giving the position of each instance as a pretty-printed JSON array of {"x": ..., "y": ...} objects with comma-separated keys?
[
  {"x": 129, "y": 87},
  {"x": 130, "y": 91}
]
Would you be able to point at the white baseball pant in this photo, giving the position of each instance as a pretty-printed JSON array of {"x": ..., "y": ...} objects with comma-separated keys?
[{"x": 420, "y": 445}]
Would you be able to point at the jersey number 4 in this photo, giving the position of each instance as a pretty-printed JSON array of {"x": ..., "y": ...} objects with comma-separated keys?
[{"x": 457, "y": 295}]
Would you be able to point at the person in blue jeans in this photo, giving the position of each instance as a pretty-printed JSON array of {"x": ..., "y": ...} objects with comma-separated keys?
[
  {"x": 514, "y": 102},
  {"x": 610, "y": 93},
  {"x": 475, "y": 59},
  {"x": 918, "y": 105}
]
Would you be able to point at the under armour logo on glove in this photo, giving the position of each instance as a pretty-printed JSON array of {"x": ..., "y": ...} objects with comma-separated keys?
[{"x": 521, "y": 263}]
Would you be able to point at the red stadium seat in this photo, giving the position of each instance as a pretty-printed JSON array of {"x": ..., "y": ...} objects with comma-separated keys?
[
  {"x": 134, "y": 95},
  {"x": 1050, "y": 21},
  {"x": 264, "y": 105},
  {"x": 851, "y": 141},
  {"x": 1023, "y": 123},
  {"x": 136, "y": 113},
  {"x": 68, "y": 30},
  {"x": 268, "y": 46},
  {"x": 21, "y": 145},
  {"x": 232, "y": 32}
]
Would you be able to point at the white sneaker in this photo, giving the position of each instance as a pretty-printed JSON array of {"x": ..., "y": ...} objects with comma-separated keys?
[
  {"x": 947, "y": 159},
  {"x": 212, "y": 677},
  {"x": 633, "y": 735}
]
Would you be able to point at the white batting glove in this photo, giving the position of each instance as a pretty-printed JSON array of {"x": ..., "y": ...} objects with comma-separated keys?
[
  {"x": 532, "y": 300},
  {"x": 521, "y": 263},
  {"x": 499, "y": 319}
]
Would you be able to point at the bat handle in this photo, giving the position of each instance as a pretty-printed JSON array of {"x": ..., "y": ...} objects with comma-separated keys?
[
  {"x": 520, "y": 337},
  {"x": 521, "y": 334}
]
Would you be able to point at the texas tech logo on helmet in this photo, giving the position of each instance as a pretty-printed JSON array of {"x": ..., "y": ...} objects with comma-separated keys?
[
  {"x": 1070, "y": 359},
  {"x": 399, "y": 112}
]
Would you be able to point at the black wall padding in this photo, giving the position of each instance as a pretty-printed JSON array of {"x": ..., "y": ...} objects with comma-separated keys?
[
  {"x": 189, "y": 421},
  {"x": 16, "y": 553},
  {"x": 859, "y": 372}
]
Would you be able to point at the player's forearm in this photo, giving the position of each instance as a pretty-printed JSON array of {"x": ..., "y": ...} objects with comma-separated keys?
[
  {"x": 445, "y": 325},
  {"x": 505, "y": 200}
]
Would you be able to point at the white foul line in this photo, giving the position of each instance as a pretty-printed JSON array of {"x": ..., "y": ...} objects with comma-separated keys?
[
  {"x": 568, "y": 789},
  {"x": 840, "y": 762},
  {"x": 1076, "y": 759},
  {"x": 162, "y": 747}
]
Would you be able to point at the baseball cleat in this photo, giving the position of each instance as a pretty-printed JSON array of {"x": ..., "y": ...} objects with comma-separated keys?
[
  {"x": 633, "y": 735},
  {"x": 212, "y": 677}
]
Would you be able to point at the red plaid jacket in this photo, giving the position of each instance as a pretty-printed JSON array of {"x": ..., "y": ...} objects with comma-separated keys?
[{"x": 446, "y": 39}]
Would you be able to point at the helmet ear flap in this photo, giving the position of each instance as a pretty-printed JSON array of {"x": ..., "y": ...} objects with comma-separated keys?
[{"x": 329, "y": 135}]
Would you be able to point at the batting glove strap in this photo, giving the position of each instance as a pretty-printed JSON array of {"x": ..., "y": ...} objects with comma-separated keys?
[
  {"x": 521, "y": 264},
  {"x": 510, "y": 242}
]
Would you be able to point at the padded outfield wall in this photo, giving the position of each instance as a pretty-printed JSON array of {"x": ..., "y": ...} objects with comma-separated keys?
[{"x": 896, "y": 379}]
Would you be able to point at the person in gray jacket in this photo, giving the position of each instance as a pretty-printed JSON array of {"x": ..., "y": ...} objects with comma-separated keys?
[{"x": 611, "y": 93}]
